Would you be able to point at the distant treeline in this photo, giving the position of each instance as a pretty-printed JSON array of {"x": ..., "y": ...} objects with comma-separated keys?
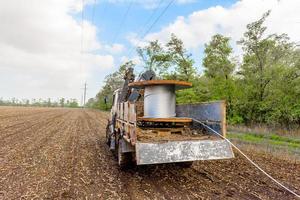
[
  {"x": 62, "y": 102},
  {"x": 262, "y": 87}
]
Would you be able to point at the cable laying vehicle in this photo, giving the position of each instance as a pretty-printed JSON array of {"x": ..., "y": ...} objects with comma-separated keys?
[{"x": 147, "y": 127}]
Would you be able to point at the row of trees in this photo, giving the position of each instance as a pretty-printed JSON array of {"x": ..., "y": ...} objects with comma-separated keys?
[
  {"x": 264, "y": 87},
  {"x": 62, "y": 102}
]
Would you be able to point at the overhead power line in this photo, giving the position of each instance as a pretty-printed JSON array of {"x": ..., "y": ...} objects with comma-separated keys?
[
  {"x": 151, "y": 16},
  {"x": 158, "y": 18},
  {"x": 152, "y": 25},
  {"x": 118, "y": 30}
]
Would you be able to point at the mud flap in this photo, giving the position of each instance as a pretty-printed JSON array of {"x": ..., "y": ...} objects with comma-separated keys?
[
  {"x": 181, "y": 151},
  {"x": 112, "y": 145},
  {"x": 126, "y": 147}
]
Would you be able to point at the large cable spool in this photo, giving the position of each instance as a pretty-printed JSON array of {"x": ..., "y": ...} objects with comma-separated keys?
[
  {"x": 159, "y": 101},
  {"x": 159, "y": 97}
]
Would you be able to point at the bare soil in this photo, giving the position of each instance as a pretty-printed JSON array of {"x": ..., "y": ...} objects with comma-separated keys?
[{"x": 49, "y": 153}]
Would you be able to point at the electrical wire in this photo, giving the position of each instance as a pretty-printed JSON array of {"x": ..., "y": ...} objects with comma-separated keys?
[
  {"x": 152, "y": 25},
  {"x": 118, "y": 30},
  {"x": 252, "y": 162},
  {"x": 151, "y": 16}
]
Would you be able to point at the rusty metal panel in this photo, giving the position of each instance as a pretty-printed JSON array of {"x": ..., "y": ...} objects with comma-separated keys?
[
  {"x": 132, "y": 134},
  {"x": 126, "y": 147},
  {"x": 181, "y": 151},
  {"x": 211, "y": 113}
]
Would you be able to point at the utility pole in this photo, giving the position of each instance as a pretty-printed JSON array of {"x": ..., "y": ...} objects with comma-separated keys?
[{"x": 84, "y": 95}]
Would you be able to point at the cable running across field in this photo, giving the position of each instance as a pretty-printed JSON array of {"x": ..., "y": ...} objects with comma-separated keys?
[{"x": 252, "y": 162}]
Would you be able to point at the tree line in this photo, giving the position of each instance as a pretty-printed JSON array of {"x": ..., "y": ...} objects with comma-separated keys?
[
  {"x": 62, "y": 102},
  {"x": 263, "y": 87}
]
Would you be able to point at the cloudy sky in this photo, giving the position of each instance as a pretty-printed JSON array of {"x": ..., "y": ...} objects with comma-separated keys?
[{"x": 47, "y": 51}]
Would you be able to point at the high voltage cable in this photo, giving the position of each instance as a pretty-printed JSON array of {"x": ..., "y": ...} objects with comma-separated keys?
[
  {"x": 118, "y": 30},
  {"x": 148, "y": 20},
  {"x": 152, "y": 25},
  {"x": 252, "y": 162},
  {"x": 151, "y": 16},
  {"x": 158, "y": 18}
]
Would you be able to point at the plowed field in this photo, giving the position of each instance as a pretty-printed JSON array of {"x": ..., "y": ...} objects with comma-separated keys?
[{"x": 54, "y": 153}]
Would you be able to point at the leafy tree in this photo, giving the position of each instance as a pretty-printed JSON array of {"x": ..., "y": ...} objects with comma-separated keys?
[
  {"x": 27, "y": 102},
  {"x": 265, "y": 88},
  {"x": 268, "y": 62},
  {"x": 219, "y": 68},
  {"x": 198, "y": 93},
  {"x": 38, "y": 103},
  {"x": 49, "y": 104},
  {"x": 62, "y": 102},
  {"x": 112, "y": 82},
  {"x": 178, "y": 56},
  {"x": 154, "y": 57},
  {"x": 217, "y": 62},
  {"x": 73, "y": 103}
]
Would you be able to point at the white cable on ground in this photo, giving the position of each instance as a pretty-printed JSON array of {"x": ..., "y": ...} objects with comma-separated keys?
[{"x": 252, "y": 162}]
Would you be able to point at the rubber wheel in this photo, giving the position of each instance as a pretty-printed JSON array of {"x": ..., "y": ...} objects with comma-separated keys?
[
  {"x": 124, "y": 159},
  {"x": 186, "y": 164},
  {"x": 107, "y": 138}
]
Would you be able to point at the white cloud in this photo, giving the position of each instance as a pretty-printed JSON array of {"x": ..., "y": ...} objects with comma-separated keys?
[
  {"x": 136, "y": 60},
  {"x": 40, "y": 49},
  {"x": 139, "y": 66},
  {"x": 136, "y": 41},
  {"x": 196, "y": 29},
  {"x": 115, "y": 48}
]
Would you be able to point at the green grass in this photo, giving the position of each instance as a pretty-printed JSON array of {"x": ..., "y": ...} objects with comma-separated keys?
[{"x": 272, "y": 139}]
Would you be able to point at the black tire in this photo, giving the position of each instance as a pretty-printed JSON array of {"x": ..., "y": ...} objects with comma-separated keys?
[
  {"x": 107, "y": 138},
  {"x": 187, "y": 164}
]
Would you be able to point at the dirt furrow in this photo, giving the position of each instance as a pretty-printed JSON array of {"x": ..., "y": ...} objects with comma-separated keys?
[
  {"x": 23, "y": 160},
  {"x": 61, "y": 154},
  {"x": 18, "y": 142},
  {"x": 27, "y": 124}
]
